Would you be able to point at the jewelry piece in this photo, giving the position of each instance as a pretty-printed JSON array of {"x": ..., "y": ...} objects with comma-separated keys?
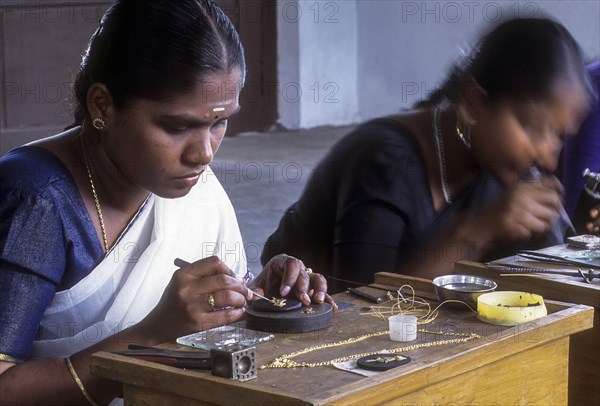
[
  {"x": 96, "y": 199},
  {"x": 439, "y": 143},
  {"x": 278, "y": 302},
  {"x": 308, "y": 310},
  {"x": 382, "y": 362},
  {"x": 285, "y": 361},
  {"x": 274, "y": 301},
  {"x": 309, "y": 271},
  {"x": 387, "y": 359},
  {"x": 79, "y": 382},
  {"x": 99, "y": 124},
  {"x": 466, "y": 139},
  {"x": 210, "y": 299}
]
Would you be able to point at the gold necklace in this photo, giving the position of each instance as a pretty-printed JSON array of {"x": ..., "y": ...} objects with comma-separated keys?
[
  {"x": 96, "y": 199},
  {"x": 285, "y": 361}
]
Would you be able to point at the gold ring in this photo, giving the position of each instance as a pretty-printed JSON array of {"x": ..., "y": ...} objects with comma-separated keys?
[
  {"x": 210, "y": 299},
  {"x": 309, "y": 271}
]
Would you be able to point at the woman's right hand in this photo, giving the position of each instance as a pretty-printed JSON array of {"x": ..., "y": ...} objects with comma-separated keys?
[
  {"x": 200, "y": 296},
  {"x": 526, "y": 210}
]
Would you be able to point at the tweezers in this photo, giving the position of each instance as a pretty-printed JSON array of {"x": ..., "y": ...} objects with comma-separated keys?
[
  {"x": 554, "y": 259},
  {"x": 180, "y": 359}
]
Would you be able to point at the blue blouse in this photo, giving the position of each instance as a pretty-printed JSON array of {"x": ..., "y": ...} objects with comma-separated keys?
[{"x": 47, "y": 243}]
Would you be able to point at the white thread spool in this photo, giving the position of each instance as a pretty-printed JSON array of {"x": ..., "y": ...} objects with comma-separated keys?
[{"x": 403, "y": 328}]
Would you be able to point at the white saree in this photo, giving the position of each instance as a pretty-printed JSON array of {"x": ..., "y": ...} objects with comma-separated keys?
[{"x": 130, "y": 280}]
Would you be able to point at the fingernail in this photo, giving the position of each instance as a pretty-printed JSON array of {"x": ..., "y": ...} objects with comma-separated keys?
[
  {"x": 320, "y": 297},
  {"x": 285, "y": 290}
]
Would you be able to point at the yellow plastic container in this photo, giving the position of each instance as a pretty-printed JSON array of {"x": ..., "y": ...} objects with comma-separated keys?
[{"x": 510, "y": 308}]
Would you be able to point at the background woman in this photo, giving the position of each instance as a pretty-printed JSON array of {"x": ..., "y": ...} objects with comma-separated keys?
[{"x": 452, "y": 179}]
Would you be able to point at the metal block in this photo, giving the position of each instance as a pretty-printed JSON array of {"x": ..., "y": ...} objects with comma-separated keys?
[{"x": 234, "y": 362}]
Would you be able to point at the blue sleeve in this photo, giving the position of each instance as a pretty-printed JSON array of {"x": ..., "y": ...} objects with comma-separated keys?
[{"x": 32, "y": 263}]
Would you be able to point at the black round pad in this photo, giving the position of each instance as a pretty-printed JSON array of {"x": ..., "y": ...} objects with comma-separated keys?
[
  {"x": 306, "y": 318},
  {"x": 262, "y": 305},
  {"x": 381, "y": 362}
]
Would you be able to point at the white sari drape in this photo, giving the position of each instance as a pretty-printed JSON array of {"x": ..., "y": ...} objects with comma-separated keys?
[{"x": 129, "y": 282}]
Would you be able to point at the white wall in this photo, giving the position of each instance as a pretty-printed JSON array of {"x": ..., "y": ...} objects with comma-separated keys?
[
  {"x": 383, "y": 55},
  {"x": 317, "y": 46}
]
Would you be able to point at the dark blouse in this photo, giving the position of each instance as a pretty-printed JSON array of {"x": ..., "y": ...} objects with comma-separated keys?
[
  {"x": 47, "y": 242},
  {"x": 367, "y": 207}
]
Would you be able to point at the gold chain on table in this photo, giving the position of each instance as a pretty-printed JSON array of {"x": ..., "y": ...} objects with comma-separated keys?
[
  {"x": 96, "y": 199},
  {"x": 285, "y": 361}
]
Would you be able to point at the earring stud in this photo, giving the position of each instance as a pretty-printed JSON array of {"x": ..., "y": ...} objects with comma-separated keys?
[{"x": 99, "y": 124}]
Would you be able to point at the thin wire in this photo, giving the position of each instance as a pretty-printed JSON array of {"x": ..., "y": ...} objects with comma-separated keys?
[{"x": 409, "y": 305}]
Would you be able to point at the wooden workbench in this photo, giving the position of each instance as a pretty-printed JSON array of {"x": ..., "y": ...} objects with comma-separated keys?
[
  {"x": 584, "y": 365},
  {"x": 527, "y": 364}
]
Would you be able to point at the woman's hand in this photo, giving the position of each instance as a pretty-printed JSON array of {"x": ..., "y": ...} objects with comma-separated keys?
[
  {"x": 526, "y": 210},
  {"x": 284, "y": 274},
  {"x": 200, "y": 296},
  {"x": 593, "y": 226}
]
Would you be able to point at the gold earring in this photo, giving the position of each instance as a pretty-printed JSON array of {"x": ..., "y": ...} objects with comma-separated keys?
[
  {"x": 99, "y": 124},
  {"x": 464, "y": 137}
]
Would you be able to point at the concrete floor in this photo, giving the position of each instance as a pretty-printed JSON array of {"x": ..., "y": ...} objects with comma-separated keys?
[{"x": 264, "y": 173}]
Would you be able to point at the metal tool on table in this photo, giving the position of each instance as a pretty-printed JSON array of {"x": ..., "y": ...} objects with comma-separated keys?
[
  {"x": 365, "y": 295},
  {"x": 235, "y": 362},
  {"x": 555, "y": 259},
  {"x": 588, "y": 276}
]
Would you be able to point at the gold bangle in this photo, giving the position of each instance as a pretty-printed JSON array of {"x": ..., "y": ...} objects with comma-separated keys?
[{"x": 78, "y": 382}]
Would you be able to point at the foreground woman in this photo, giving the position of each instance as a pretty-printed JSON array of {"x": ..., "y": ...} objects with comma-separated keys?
[{"x": 92, "y": 219}]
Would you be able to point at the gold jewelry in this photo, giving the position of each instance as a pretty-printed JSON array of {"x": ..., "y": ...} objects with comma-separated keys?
[
  {"x": 403, "y": 304},
  {"x": 8, "y": 358},
  {"x": 278, "y": 302},
  {"x": 94, "y": 193},
  {"x": 210, "y": 299},
  {"x": 99, "y": 124},
  {"x": 409, "y": 305},
  {"x": 285, "y": 361},
  {"x": 387, "y": 359},
  {"x": 78, "y": 382},
  {"x": 274, "y": 301}
]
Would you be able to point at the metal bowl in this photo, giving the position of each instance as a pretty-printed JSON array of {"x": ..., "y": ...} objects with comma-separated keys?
[{"x": 465, "y": 288}]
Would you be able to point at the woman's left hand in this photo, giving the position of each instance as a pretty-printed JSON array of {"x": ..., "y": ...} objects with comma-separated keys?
[{"x": 284, "y": 274}]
